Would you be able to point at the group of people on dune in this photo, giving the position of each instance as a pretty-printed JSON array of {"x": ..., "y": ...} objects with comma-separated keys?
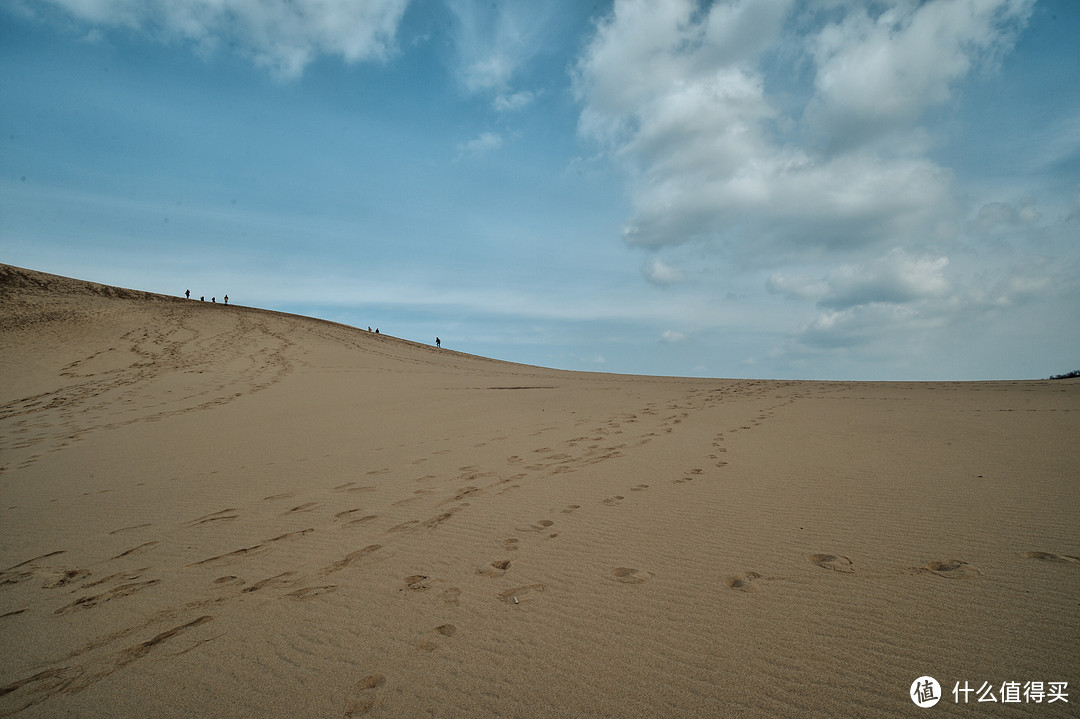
[{"x": 187, "y": 293}]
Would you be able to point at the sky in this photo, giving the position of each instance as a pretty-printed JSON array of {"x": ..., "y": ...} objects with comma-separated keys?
[{"x": 748, "y": 189}]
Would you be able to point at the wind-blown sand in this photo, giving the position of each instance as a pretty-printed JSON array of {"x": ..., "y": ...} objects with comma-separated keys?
[{"x": 223, "y": 511}]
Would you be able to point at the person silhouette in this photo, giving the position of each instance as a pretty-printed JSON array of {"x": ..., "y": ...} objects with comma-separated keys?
[
  {"x": 214, "y": 300},
  {"x": 438, "y": 342},
  {"x": 188, "y": 294},
  {"x": 226, "y": 299}
]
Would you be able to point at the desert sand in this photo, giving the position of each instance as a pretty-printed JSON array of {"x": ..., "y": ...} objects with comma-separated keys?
[{"x": 228, "y": 512}]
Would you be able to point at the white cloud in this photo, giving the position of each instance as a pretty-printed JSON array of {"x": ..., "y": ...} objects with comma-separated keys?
[
  {"x": 671, "y": 337},
  {"x": 677, "y": 92},
  {"x": 486, "y": 142},
  {"x": 493, "y": 41},
  {"x": 514, "y": 101},
  {"x": 896, "y": 294},
  {"x": 896, "y": 278},
  {"x": 281, "y": 35},
  {"x": 901, "y": 295},
  {"x": 658, "y": 272},
  {"x": 876, "y": 75}
]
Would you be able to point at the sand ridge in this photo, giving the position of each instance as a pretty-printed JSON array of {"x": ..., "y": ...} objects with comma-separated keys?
[{"x": 224, "y": 511}]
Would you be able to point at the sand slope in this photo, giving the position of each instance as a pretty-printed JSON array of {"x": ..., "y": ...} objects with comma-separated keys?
[{"x": 222, "y": 511}]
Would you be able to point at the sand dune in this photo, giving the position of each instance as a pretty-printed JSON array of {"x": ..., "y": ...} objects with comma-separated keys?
[{"x": 223, "y": 511}]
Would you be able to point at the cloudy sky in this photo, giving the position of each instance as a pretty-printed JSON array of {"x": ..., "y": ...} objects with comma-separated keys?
[{"x": 749, "y": 188}]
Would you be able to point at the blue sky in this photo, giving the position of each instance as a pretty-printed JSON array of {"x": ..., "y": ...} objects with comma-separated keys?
[{"x": 808, "y": 190}]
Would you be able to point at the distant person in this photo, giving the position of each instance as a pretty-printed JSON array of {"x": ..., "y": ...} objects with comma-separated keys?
[
  {"x": 376, "y": 330},
  {"x": 369, "y": 328},
  {"x": 202, "y": 299},
  {"x": 226, "y": 299},
  {"x": 188, "y": 294},
  {"x": 438, "y": 342},
  {"x": 214, "y": 300}
]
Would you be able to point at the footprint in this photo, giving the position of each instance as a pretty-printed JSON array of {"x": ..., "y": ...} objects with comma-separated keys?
[
  {"x": 306, "y": 507},
  {"x": 370, "y": 682},
  {"x": 432, "y": 642},
  {"x": 510, "y": 544},
  {"x": 495, "y": 569},
  {"x": 282, "y": 579},
  {"x": 451, "y": 596},
  {"x": 231, "y": 579},
  {"x": 411, "y": 524},
  {"x": 350, "y": 559},
  {"x": 538, "y": 527},
  {"x": 613, "y": 500},
  {"x": 418, "y": 583},
  {"x": 744, "y": 582},
  {"x": 433, "y": 522},
  {"x": 832, "y": 561},
  {"x": 123, "y": 590},
  {"x": 463, "y": 493},
  {"x": 570, "y": 508},
  {"x": 223, "y": 515},
  {"x": 308, "y": 593},
  {"x": 951, "y": 569},
  {"x": 128, "y": 529},
  {"x": 66, "y": 577},
  {"x": 520, "y": 595},
  {"x": 639, "y": 487},
  {"x": 628, "y": 575},
  {"x": 142, "y": 547},
  {"x": 1051, "y": 557},
  {"x": 366, "y": 695}
]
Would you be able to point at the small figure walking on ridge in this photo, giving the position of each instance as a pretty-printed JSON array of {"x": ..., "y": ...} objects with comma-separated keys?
[
  {"x": 188, "y": 294},
  {"x": 438, "y": 342},
  {"x": 226, "y": 299}
]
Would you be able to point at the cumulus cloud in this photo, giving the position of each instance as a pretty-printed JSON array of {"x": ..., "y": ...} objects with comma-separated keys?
[
  {"x": 896, "y": 278},
  {"x": 859, "y": 303},
  {"x": 280, "y": 35},
  {"x": 877, "y": 74},
  {"x": 912, "y": 296},
  {"x": 677, "y": 92}
]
